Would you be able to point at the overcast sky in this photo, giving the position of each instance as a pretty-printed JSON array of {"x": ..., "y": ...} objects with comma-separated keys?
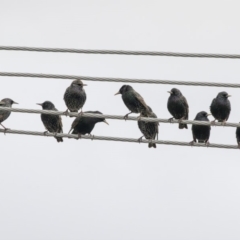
[{"x": 110, "y": 190}]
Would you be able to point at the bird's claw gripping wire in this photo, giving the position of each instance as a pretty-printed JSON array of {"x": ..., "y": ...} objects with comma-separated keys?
[
  {"x": 66, "y": 113},
  {"x": 45, "y": 133},
  {"x": 213, "y": 123},
  {"x": 224, "y": 122},
  {"x": 207, "y": 143},
  {"x": 80, "y": 113},
  {"x": 170, "y": 119},
  {"x": 79, "y": 136},
  {"x": 92, "y": 136},
  {"x": 192, "y": 143},
  {"x": 140, "y": 139},
  {"x": 5, "y": 130}
]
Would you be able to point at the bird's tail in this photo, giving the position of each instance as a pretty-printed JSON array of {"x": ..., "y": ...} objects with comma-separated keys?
[
  {"x": 59, "y": 139},
  {"x": 182, "y": 126},
  {"x": 152, "y": 145}
]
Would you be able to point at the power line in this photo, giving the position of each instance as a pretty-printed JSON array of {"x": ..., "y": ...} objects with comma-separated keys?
[
  {"x": 121, "y": 52},
  {"x": 126, "y": 80},
  {"x": 117, "y": 117},
  {"x": 117, "y": 139}
]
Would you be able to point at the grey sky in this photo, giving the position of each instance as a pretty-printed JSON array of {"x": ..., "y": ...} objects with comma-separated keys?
[{"x": 108, "y": 190}]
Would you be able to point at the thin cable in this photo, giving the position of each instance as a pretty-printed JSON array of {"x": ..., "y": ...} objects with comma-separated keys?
[
  {"x": 121, "y": 52},
  {"x": 117, "y": 117},
  {"x": 117, "y": 139},
  {"x": 127, "y": 80}
]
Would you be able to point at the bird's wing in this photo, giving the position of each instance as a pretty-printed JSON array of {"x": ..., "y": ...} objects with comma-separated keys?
[
  {"x": 186, "y": 106},
  {"x": 60, "y": 125},
  {"x": 141, "y": 100},
  {"x": 213, "y": 102}
]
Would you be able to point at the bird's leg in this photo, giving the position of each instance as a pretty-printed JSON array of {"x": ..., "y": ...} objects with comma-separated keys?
[
  {"x": 192, "y": 142},
  {"x": 140, "y": 139},
  {"x": 45, "y": 133},
  {"x": 239, "y": 145},
  {"x": 213, "y": 122},
  {"x": 180, "y": 119},
  {"x": 207, "y": 143},
  {"x": 170, "y": 119},
  {"x": 139, "y": 117},
  {"x": 66, "y": 113},
  {"x": 5, "y": 129},
  {"x": 79, "y": 136},
  {"x": 92, "y": 137},
  {"x": 81, "y": 113},
  {"x": 126, "y": 116},
  {"x": 224, "y": 122}
]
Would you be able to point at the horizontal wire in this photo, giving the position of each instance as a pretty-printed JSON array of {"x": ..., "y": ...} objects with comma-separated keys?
[
  {"x": 127, "y": 80},
  {"x": 118, "y": 117},
  {"x": 121, "y": 52},
  {"x": 117, "y": 139}
]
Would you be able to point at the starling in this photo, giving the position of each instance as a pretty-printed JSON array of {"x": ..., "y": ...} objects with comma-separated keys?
[
  {"x": 178, "y": 106},
  {"x": 75, "y": 96},
  {"x": 238, "y": 136},
  {"x": 221, "y": 107},
  {"x": 84, "y": 125},
  {"x": 53, "y": 123},
  {"x": 6, "y": 102},
  {"x": 149, "y": 129},
  {"x": 133, "y": 100},
  {"x": 201, "y": 132}
]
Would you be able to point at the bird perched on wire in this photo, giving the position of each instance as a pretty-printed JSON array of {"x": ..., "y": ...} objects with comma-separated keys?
[
  {"x": 84, "y": 125},
  {"x": 149, "y": 129},
  {"x": 201, "y": 132},
  {"x": 133, "y": 100},
  {"x": 75, "y": 96},
  {"x": 221, "y": 108},
  {"x": 177, "y": 105},
  {"x": 53, "y": 123},
  {"x": 6, "y": 102},
  {"x": 238, "y": 136}
]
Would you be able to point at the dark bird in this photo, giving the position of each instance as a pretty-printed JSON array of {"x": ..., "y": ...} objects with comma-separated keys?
[
  {"x": 53, "y": 123},
  {"x": 84, "y": 125},
  {"x": 201, "y": 132},
  {"x": 75, "y": 96},
  {"x": 238, "y": 136},
  {"x": 177, "y": 105},
  {"x": 6, "y": 102},
  {"x": 133, "y": 100},
  {"x": 221, "y": 107},
  {"x": 149, "y": 129}
]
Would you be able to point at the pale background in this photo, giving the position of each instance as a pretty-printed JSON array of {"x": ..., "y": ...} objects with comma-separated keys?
[{"x": 110, "y": 190}]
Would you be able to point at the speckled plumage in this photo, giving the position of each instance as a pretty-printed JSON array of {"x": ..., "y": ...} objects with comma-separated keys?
[
  {"x": 133, "y": 100},
  {"x": 200, "y": 132},
  {"x": 84, "y": 125},
  {"x": 177, "y": 105},
  {"x": 6, "y": 102},
  {"x": 75, "y": 96},
  {"x": 52, "y": 123},
  {"x": 149, "y": 129},
  {"x": 221, "y": 107}
]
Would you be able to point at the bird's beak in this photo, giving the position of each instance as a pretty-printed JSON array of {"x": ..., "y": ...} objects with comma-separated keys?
[
  {"x": 229, "y": 95},
  {"x": 116, "y": 93},
  {"x": 2, "y": 103},
  {"x": 209, "y": 114},
  {"x": 106, "y": 122},
  {"x": 84, "y": 84},
  {"x": 14, "y": 102},
  {"x": 169, "y": 92},
  {"x": 39, "y": 104}
]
